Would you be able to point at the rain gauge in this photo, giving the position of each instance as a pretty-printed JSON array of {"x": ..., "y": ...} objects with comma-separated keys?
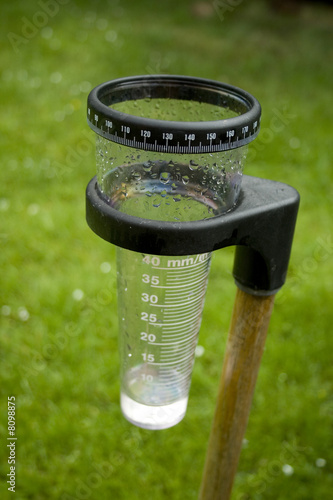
[{"x": 170, "y": 190}]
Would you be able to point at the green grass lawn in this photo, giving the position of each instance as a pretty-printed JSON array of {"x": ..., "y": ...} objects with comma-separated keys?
[{"x": 58, "y": 315}]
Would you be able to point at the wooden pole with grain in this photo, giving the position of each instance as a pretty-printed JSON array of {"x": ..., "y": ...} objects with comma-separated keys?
[{"x": 245, "y": 345}]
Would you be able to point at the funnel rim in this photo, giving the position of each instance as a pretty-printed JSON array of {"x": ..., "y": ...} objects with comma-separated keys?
[{"x": 152, "y": 134}]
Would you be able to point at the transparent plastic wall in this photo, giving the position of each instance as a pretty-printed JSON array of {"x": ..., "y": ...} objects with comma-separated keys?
[{"x": 188, "y": 167}]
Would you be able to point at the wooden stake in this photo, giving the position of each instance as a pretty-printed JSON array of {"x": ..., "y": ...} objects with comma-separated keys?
[{"x": 245, "y": 345}]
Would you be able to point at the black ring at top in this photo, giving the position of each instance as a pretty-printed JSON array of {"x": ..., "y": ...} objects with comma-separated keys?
[{"x": 173, "y": 136}]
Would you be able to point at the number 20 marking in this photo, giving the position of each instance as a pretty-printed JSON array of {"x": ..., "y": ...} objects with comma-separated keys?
[{"x": 150, "y": 337}]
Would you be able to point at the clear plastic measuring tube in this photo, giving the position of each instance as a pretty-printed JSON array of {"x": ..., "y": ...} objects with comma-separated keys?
[
  {"x": 168, "y": 149},
  {"x": 160, "y": 305}
]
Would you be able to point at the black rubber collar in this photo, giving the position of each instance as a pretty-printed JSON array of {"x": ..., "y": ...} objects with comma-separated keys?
[
  {"x": 173, "y": 136},
  {"x": 261, "y": 226}
]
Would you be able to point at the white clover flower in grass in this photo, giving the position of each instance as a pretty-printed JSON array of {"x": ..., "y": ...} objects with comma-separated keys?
[
  {"x": 287, "y": 470},
  {"x": 33, "y": 209},
  {"x": 320, "y": 462},
  {"x": 111, "y": 36},
  {"x": 46, "y": 32},
  {"x": 105, "y": 267},
  {"x": 85, "y": 86},
  {"x": 294, "y": 143},
  {"x": 4, "y": 204},
  {"x": 6, "y": 310},
  {"x": 78, "y": 294},
  {"x": 199, "y": 351},
  {"x": 28, "y": 162},
  {"x": 102, "y": 24},
  {"x": 23, "y": 314},
  {"x": 55, "y": 77}
]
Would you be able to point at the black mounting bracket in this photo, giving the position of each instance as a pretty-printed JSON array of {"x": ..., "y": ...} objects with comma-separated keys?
[{"x": 261, "y": 226}]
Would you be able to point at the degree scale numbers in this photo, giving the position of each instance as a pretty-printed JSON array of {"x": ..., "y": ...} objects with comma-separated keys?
[
  {"x": 141, "y": 129},
  {"x": 175, "y": 140}
]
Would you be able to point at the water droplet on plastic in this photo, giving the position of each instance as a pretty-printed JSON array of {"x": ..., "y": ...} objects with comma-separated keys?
[
  {"x": 136, "y": 176},
  {"x": 147, "y": 165},
  {"x": 165, "y": 177},
  {"x": 185, "y": 179}
]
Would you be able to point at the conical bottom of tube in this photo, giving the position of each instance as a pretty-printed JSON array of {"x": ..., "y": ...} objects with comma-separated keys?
[{"x": 152, "y": 417}]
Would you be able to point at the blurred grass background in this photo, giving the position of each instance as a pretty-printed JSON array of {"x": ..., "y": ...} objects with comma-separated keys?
[{"x": 58, "y": 296}]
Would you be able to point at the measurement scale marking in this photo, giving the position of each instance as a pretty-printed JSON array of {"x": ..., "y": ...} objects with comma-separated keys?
[
  {"x": 181, "y": 338},
  {"x": 180, "y": 323},
  {"x": 181, "y": 364},
  {"x": 183, "y": 285},
  {"x": 181, "y": 272},
  {"x": 171, "y": 315},
  {"x": 191, "y": 286},
  {"x": 180, "y": 268},
  {"x": 172, "y": 280},
  {"x": 178, "y": 273},
  {"x": 169, "y": 376},
  {"x": 168, "y": 371},
  {"x": 171, "y": 304},
  {"x": 183, "y": 379},
  {"x": 181, "y": 282},
  {"x": 179, "y": 333},
  {"x": 168, "y": 315},
  {"x": 169, "y": 328},
  {"x": 172, "y": 355},
  {"x": 179, "y": 293},
  {"x": 185, "y": 281},
  {"x": 180, "y": 316},
  {"x": 190, "y": 305},
  {"x": 184, "y": 294},
  {"x": 171, "y": 362},
  {"x": 171, "y": 319},
  {"x": 176, "y": 342},
  {"x": 189, "y": 300},
  {"x": 174, "y": 305},
  {"x": 170, "y": 347},
  {"x": 189, "y": 333}
]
